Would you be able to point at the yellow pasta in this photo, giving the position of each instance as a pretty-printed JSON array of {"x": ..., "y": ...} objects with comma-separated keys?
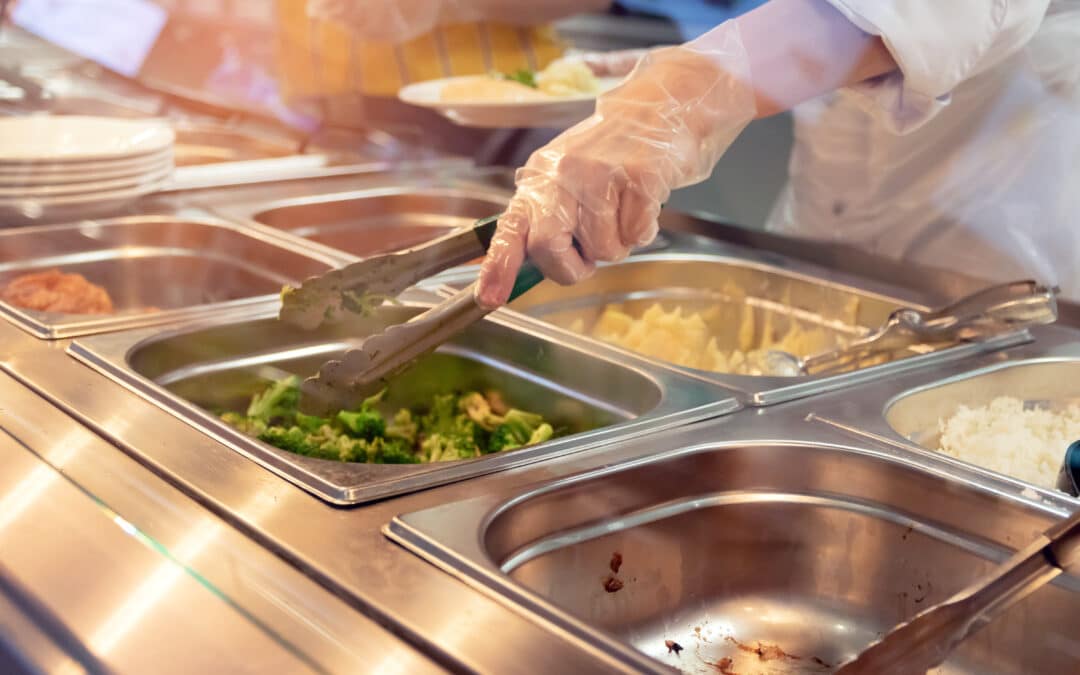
[{"x": 686, "y": 339}]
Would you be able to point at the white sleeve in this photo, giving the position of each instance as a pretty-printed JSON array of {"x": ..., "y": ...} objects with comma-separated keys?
[{"x": 938, "y": 44}]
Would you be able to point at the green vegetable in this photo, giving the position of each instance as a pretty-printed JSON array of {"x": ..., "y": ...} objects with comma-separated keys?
[
  {"x": 519, "y": 429},
  {"x": 403, "y": 427},
  {"x": 278, "y": 403},
  {"x": 392, "y": 451},
  {"x": 478, "y": 409},
  {"x": 365, "y": 424},
  {"x": 453, "y": 428},
  {"x": 245, "y": 425},
  {"x": 293, "y": 439},
  {"x": 311, "y": 422},
  {"x": 523, "y": 76}
]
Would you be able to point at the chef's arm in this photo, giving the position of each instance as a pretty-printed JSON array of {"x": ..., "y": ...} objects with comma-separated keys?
[
  {"x": 800, "y": 49},
  {"x": 594, "y": 193}
]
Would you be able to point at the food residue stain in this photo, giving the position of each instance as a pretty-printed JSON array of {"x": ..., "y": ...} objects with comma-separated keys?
[
  {"x": 612, "y": 585},
  {"x": 764, "y": 650},
  {"x": 723, "y": 666},
  {"x": 616, "y": 562}
]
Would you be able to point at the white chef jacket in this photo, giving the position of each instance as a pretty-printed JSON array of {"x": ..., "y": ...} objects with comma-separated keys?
[{"x": 968, "y": 158}]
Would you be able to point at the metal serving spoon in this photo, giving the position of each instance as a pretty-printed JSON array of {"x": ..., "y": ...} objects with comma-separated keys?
[
  {"x": 991, "y": 311},
  {"x": 927, "y": 640}
]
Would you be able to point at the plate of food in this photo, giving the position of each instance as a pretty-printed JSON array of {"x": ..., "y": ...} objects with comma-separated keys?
[{"x": 557, "y": 97}]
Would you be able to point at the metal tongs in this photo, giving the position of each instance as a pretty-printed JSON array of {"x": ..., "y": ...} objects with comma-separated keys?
[
  {"x": 927, "y": 640},
  {"x": 994, "y": 310},
  {"x": 366, "y": 369},
  {"x": 354, "y": 288}
]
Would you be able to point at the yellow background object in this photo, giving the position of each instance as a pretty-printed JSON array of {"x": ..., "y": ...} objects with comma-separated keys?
[{"x": 319, "y": 58}]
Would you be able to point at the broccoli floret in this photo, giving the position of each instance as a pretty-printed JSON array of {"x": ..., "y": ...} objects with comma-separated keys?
[
  {"x": 278, "y": 403},
  {"x": 454, "y": 428},
  {"x": 243, "y": 424},
  {"x": 311, "y": 423},
  {"x": 344, "y": 449},
  {"x": 519, "y": 429},
  {"x": 403, "y": 427},
  {"x": 448, "y": 448},
  {"x": 543, "y": 434},
  {"x": 448, "y": 434},
  {"x": 365, "y": 424},
  {"x": 391, "y": 451},
  {"x": 442, "y": 416},
  {"x": 291, "y": 439},
  {"x": 235, "y": 420},
  {"x": 479, "y": 410}
]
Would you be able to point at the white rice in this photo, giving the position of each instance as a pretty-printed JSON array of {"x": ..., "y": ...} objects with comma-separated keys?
[{"x": 1002, "y": 436}]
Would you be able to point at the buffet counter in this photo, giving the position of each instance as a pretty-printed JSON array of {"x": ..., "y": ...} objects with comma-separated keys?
[{"x": 589, "y": 553}]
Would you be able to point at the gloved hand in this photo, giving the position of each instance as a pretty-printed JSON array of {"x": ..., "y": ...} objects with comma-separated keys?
[
  {"x": 595, "y": 192},
  {"x": 612, "y": 64}
]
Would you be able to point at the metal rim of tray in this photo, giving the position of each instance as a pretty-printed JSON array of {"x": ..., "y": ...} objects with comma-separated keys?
[
  {"x": 43, "y": 326},
  {"x": 107, "y": 354}
]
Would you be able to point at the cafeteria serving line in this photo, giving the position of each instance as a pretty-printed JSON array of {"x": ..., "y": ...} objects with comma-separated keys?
[{"x": 420, "y": 337}]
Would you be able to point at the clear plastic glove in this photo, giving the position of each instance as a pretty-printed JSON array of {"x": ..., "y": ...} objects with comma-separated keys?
[
  {"x": 595, "y": 192},
  {"x": 612, "y": 64}
]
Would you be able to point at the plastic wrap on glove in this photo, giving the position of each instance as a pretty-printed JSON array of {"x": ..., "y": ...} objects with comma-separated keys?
[{"x": 595, "y": 192}]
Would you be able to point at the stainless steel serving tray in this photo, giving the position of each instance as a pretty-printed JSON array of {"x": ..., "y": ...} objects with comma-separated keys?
[
  {"x": 1043, "y": 382},
  {"x": 904, "y": 411},
  {"x": 199, "y": 144},
  {"x": 594, "y": 395},
  {"x": 779, "y": 290},
  {"x": 184, "y": 267},
  {"x": 752, "y": 556},
  {"x": 368, "y": 222}
]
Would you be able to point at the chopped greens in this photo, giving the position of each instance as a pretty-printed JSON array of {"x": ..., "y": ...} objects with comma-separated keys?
[
  {"x": 452, "y": 427},
  {"x": 523, "y": 76}
]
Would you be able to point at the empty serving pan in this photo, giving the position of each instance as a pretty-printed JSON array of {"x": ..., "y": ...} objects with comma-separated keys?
[{"x": 370, "y": 222}]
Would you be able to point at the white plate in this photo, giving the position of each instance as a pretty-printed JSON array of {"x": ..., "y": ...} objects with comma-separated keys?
[
  {"x": 75, "y": 138},
  {"x": 85, "y": 165},
  {"x": 57, "y": 209},
  {"x": 65, "y": 200},
  {"x": 66, "y": 176},
  {"x": 154, "y": 177},
  {"x": 556, "y": 113}
]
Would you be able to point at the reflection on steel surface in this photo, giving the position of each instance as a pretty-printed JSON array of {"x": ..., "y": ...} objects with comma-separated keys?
[
  {"x": 114, "y": 596},
  {"x": 381, "y": 221}
]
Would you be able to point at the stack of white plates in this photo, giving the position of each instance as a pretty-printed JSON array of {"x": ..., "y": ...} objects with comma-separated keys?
[{"x": 60, "y": 167}]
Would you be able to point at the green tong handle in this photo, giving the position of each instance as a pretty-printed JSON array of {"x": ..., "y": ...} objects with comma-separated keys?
[{"x": 528, "y": 276}]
